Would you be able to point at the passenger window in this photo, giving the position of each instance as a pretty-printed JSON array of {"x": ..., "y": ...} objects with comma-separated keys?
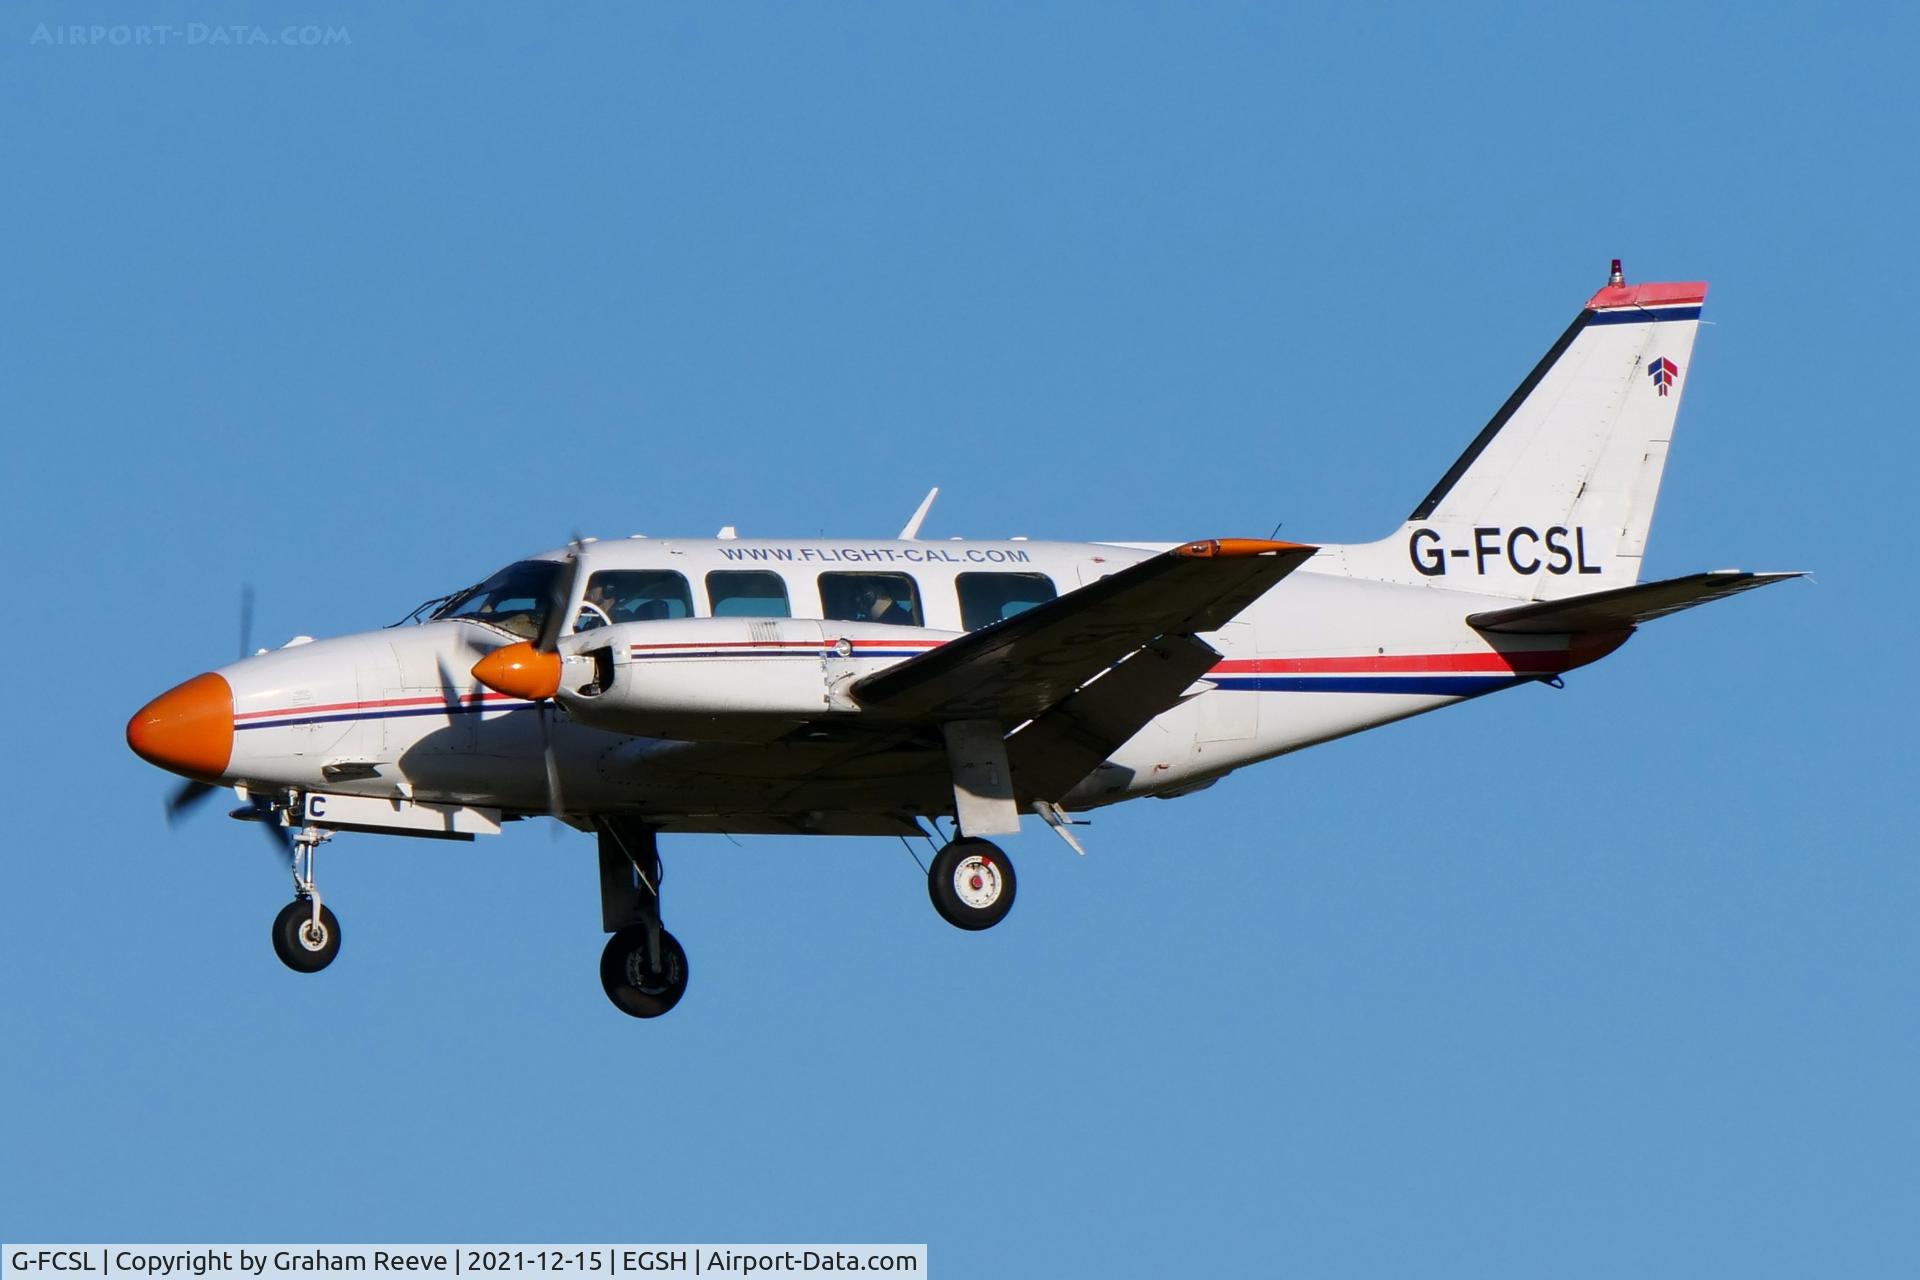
[
  {"x": 986, "y": 598},
  {"x": 633, "y": 595},
  {"x": 747, "y": 594},
  {"x": 870, "y": 597}
]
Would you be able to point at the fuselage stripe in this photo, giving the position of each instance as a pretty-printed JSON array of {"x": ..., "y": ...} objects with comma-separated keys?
[
  {"x": 1443, "y": 674},
  {"x": 432, "y": 699},
  {"x": 392, "y": 714},
  {"x": 1451, "y": 686},
  {"x": 1531, "y": 662}
]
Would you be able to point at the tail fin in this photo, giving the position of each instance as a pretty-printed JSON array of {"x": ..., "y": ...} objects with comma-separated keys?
[{"x": 1554, "y": 497}]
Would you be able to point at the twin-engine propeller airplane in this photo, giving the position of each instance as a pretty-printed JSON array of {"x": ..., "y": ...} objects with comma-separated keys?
[{"x": 646, "y": 686}]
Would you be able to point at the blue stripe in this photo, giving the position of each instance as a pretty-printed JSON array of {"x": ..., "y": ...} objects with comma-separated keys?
[
  {"x": 761, "y": 654},
  {"x": 1638, "y": 315},
  {"x": 704, "y": 654},
  {"x": 1435, "y": 685},
  {"x": 383, "y": 715}
]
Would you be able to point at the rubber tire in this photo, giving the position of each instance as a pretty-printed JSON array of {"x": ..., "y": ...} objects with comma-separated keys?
[
  {"x": 289, "y": 945},
  {"x": 946, "y": 898},
  {"x": 657, "y": 993}
]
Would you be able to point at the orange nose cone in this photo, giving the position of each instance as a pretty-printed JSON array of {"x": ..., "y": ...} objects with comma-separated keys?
[
  {"x": 520, "y": 671},
  {"x": 188, "y": 729}
]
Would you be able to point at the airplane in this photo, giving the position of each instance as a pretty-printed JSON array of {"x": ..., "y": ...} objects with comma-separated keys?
[{"x": 640, "y": 687}]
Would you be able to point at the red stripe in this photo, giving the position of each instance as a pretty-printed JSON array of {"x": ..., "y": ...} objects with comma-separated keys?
[
  {"x": 735, "y": 644},
  {"x": 1532, "y": 662},
  {"x": 792, "y": 644},
  {"x": 1528, "y": 663},
  {"x": 429, "y": 700}
]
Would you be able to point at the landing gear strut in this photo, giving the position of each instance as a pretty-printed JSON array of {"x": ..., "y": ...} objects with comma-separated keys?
[
  {"x": 644, "y": 968},
  {"x": 306, "y": 936},
  {"x": 971, "y": 884}
]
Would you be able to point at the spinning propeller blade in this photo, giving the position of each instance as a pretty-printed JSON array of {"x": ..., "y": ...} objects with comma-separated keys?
[
  {"x": 246, "y": 619},
  {"x": 190, "y": 795},
  {"x": 187, "y": 797},
  {"x": 547, "y": 711},
  {"x": 559, "y": 596},
  {"x": 531, "y": 669},
  {"x": 261, "y": 814}
]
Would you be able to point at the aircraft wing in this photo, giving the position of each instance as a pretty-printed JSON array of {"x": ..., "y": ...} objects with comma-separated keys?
[
  {"x": 1624, "y": 607},
  {"x": 1068, "y": 741},
  {"x": 1014, "y": 670}
]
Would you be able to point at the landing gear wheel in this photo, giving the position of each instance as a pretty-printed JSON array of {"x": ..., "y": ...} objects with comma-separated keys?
[
  {"x": 301, "y": 945},
  {"x": 636, "y": 987},
  {"x": 971, "y": 884}
]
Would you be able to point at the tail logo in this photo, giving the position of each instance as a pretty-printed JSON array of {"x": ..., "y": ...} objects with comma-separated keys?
[{"x": 1665, "y": 373}]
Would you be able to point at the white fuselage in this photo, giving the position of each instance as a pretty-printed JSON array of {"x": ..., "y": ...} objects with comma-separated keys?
[{"x": 396, "y": 713}]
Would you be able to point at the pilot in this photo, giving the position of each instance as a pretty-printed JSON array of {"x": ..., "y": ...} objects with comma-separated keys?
[
  {"x": 876, "y": 604},
  {"x": 596, "y": 607}
]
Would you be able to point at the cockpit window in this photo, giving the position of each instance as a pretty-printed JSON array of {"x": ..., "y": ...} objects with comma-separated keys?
[{"x": 515, "y": 599}]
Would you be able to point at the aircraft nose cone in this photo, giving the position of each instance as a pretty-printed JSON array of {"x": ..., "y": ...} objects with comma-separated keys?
[
  {"x": 188, "y": 729},
  {"x": 521, "y": 671}
]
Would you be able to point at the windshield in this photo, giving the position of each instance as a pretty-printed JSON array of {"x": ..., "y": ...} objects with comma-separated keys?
[{"x": 515, "y": 599}]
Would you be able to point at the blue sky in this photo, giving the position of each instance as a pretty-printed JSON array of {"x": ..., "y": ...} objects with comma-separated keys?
[{"x": 1617, "y": 979}]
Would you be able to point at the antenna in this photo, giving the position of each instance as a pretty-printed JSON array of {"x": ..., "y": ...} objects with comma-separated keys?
[{"x": 912, "y": 531}]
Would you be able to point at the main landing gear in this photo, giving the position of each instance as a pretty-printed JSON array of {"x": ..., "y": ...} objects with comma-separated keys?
[
  {"x": 971, "y": 883},
  {"x": 306, "y": 936},
  {"x": 644, "y": 968}
]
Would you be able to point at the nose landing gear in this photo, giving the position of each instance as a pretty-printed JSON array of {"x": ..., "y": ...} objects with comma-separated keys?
[{"x": 306, "y": 936}]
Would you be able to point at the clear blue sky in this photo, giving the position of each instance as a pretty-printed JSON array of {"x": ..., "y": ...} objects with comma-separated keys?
[{"x": 1614, "y": 980}]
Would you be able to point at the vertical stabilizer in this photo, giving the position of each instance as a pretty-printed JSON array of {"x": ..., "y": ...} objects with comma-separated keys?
[{"x": 1554, "y": 497}]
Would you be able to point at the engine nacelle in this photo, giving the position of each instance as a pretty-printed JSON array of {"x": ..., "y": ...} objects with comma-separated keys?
[{"x": 667, "y": 678}]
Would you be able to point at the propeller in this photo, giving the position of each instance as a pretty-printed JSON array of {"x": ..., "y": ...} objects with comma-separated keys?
[
  {"x": 560, "y": 596},
  {"x": 186, "y": 798},
  {"x": 531, "y": 669},
  {"x": 190, "y": 795},
  {"x": 260, "y": 813},
  {"x": 246, "y": 619}
]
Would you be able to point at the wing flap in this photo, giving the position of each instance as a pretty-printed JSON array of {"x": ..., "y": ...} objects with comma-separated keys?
[
  {"x": 1017, "y": 668},
  {"x": 1070, "y": 740},
  {"x": 1623, "y": 608}
]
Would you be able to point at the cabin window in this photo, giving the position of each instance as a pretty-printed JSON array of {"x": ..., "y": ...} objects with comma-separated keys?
[
  {"x": 870, "y": 597},
  {"x": 747, "y": 594},
  {"x": 986, "y": 598},
  {"x": 633, "y": 595}
]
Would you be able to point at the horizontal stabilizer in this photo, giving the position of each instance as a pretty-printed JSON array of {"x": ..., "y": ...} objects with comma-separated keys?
[{"x": 1624, "y": 608}]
